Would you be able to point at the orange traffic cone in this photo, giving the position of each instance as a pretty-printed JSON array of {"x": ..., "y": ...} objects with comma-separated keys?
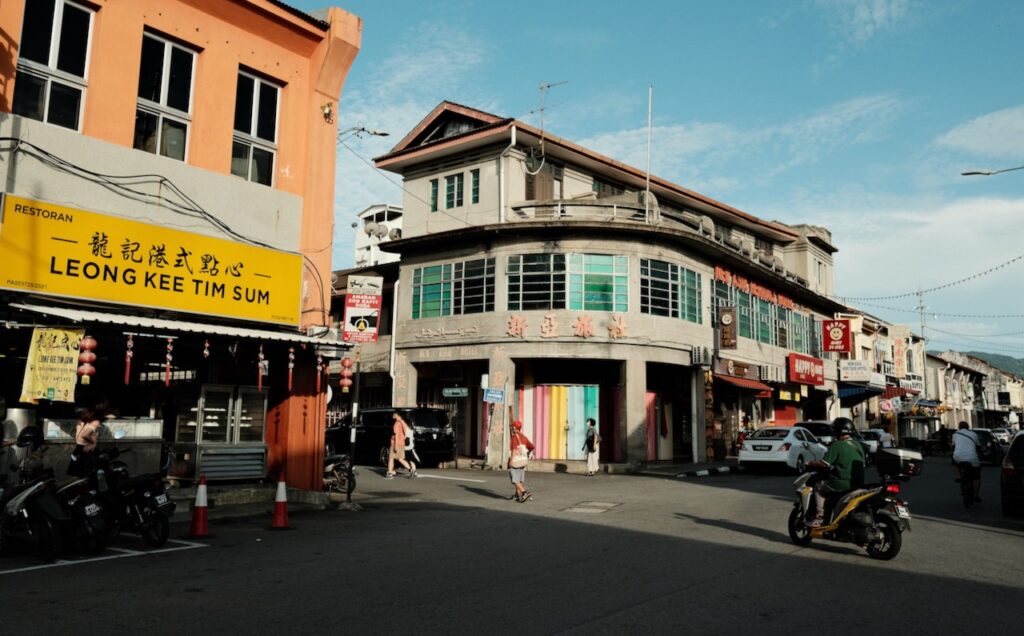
[
  {"x": 280, "y": 520},
  {"x": 199, "y": 529}
]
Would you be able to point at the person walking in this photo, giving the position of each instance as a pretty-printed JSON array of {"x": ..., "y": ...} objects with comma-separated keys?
[
  {"x": 400, "y": 430},
  {"x": 87, "y": 436},
  {"x": 520, "y": 448},
  {"x": 591, "y": 446}
]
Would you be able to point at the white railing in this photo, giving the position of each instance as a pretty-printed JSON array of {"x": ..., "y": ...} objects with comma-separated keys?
[{"x": 586, "y": 211}]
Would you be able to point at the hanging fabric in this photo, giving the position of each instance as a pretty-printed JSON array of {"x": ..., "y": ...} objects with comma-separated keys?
[
  {"x": 167, "y": 363},
  {"x": 259, "y": 369}
]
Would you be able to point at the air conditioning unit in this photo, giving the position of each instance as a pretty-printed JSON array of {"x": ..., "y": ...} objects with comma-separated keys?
[
  {"x": 700, "y": 356},
  {"x": 771, "y": 373},
  {"x": 747, "y": 247}
]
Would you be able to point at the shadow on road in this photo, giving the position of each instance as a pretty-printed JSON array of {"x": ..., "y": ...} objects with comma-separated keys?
[
  {"x": 732, "y": 526},
  {"x": 484, "y": 493}
]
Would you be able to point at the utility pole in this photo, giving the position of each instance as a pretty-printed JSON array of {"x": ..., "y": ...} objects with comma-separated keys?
[{"x": 921, "y": 308}]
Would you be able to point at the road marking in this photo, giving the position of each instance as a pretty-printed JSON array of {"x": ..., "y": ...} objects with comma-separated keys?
[
  {"x": 125, "y": 554},
  {"x": 593, "y": 507},
  {"x": 475, "y": 481}
]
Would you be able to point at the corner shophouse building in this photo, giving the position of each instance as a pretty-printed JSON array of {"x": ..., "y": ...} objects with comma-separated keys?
[
  {"x": 541, "y": 266},
  {"x": 199, "y": 265}
]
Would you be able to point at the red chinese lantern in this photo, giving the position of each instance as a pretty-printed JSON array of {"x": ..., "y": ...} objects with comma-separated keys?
[
  {"x": 86, "y": 357},
  {"x": 346, "y": 379}
]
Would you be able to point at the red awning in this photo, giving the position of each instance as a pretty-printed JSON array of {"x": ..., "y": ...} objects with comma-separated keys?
[
  {"x": 893, "y": 392},
  {"x": 744, "y": 383}
]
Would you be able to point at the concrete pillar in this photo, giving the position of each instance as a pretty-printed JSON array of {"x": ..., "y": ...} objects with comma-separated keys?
[
  {"x": 501, "y": 375},
  {"x": 403, "y": 392},
  {"x": 698, "y": 415},
  {"x": 635, "y": 410}
]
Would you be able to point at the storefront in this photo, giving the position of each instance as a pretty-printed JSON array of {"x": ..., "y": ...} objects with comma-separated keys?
[
  {"x": 804, "y": 396},
  {"x": 191, "y": 338},
  {"x": 740, "y": 399}
]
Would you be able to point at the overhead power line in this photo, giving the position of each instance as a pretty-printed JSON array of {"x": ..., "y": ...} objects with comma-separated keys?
[{"x": 960, "y": 281}]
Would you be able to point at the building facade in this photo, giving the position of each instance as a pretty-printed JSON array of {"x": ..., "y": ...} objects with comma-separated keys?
[
  {"x": 168, "y": 172},
  {"x": 553, "y": 285}
]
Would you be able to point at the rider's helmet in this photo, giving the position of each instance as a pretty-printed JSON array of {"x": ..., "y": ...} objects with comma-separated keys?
[
  {"x": 843, "y": 426},
  {"x": 30, "y": 437}
]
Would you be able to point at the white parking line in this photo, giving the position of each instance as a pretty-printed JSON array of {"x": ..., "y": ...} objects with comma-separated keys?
[
  {"x": 475, "y": 481},
  {"x": 182, "y": 545}
]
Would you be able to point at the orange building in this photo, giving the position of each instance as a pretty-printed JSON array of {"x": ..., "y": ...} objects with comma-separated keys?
[{"x": 195, "y": 138}]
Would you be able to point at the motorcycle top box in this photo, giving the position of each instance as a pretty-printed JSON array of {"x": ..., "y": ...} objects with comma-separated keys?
[{"x": 898, "y": 463}]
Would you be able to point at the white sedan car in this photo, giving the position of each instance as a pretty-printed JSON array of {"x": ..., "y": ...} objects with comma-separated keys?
[{"x": 793, "y": 446}]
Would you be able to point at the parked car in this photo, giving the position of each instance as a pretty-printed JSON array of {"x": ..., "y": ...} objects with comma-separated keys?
[
  {"x": 821, "y": 429},
  {"x": 1011, "y": 477},
  {"x": 872, "y": 439},
  {"x": 435, "y": 439},
  {"x": 989, "y": 449},
  {"x": 793, "y": 446},
  {"x": 1002, "y": 434}
]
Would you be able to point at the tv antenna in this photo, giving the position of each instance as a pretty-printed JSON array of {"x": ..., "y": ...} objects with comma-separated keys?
[{"x": 532, "y": 156}]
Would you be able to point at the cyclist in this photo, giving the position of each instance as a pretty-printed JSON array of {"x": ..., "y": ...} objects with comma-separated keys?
[{"x": 965, "y": 455}]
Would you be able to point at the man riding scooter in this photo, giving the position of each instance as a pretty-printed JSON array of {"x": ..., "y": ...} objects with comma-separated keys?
[{"x": 845, "y": 462}]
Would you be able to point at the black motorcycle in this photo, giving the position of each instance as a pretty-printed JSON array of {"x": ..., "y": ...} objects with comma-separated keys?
[
  {"x": 29, "y": 511},
  {"x": 137, "y": 504},
  {"x": 339, "y": 477},
  {"x": 77, "y": 520}
]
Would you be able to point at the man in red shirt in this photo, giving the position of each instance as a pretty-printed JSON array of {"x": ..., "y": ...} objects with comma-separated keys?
[{"x": 520, "y": 448}]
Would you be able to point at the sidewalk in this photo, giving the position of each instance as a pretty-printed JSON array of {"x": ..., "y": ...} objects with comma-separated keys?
[{"x": 685, "y": 471}]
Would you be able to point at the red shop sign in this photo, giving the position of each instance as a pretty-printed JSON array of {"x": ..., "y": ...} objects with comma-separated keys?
[
  {"x": 836, "y": 336},
  {"x": 806, "y": 370}
]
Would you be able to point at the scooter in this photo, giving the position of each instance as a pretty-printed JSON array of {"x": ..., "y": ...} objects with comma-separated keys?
[
  {"x": 29, "y": 511},
  {"x": 339, "y": 477},
  {"x": 872, "y": 517},
  {"x": 139, "y": 504}
]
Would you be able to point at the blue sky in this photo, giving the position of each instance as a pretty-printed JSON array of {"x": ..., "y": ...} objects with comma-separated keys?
[{"x": 858, "y": 115}]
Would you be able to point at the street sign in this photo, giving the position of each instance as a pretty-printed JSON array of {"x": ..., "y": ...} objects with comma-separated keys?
[
  {"x": 495, "y": 396},
  {"x": 362, "y": 308},
  {"x": 455, "y": 392}
]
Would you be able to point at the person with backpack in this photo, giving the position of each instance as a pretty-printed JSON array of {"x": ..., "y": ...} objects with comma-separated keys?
[
  {"x": 591, "y": 446},
  {"x": 520, "y": 448},
  {"x": 402, "y": 437}
]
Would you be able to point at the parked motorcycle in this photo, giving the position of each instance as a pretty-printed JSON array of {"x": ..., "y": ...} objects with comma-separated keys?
[
  {"x": 872, "y": 517},
  {"x": 30, "y": 512},
  {"x": 339, "y": 478},
  {"x": 137, "y": 504}
]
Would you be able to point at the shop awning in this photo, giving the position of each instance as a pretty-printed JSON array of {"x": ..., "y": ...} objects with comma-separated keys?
[
  {"x": 893, "y": 392},
  {"x": 744, "y": 383},
  {"x": 159, "y": 324},
  {"x": 857, "y": 390}
]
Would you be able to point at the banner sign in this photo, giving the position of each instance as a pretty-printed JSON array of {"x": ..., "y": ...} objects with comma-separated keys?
[
  {"x": 51, "y": 370},
  {"x": 806, "y": 370},
  {"x": 727, "y": 334},
  {"x": 362, "y": 308},
  {"x": 855, "y": 371},
  {"x": 836, "y": 336},
  {"x": 757, "y": 291},
  {"x": 51, "y": 249},
  {"x": 900, "y": 336}
]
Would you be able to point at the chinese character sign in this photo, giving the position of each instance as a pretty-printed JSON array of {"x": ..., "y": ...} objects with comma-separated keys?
[
  {"x": 51, "y": 368},
  {"x": 51, "y": 249},
  {"x": 836, "y": 336}
]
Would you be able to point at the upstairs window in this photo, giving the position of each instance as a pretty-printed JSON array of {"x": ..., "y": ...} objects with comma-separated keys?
[
  {"x": 536, "y": 281},
  {"x": 598, "y": 282},
  {"x": 254, "y": 145},
  {"x": 453, "y": 185},
  {"x": 50, "y": 82},
  {"x": 164, "y": 110},
  {"x": 474, "y": 186},
  {"x": 669, "y": 290},
  {"x": 433, "y": 195}
]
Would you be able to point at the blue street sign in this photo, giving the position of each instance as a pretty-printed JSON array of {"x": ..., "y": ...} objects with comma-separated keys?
[{"x": 495, "y": 396}]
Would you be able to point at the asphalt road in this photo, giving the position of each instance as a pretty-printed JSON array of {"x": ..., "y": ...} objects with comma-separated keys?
[{"x": 448, "y": 553}]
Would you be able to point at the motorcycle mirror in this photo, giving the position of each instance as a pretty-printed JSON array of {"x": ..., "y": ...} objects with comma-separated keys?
[{"x": 120, "y": 433}]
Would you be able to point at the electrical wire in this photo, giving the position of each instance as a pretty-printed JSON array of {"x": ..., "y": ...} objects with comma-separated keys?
[
  {"x": 937, "y": 287},
  {"x": 938, "y": 313}
]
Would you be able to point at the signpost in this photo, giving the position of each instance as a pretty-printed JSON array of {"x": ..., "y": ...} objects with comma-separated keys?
[
  {"x": 362, "y": 308},
  {"x": 494, "y": 396}
]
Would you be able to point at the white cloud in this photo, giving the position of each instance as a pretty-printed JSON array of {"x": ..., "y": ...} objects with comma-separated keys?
[
  {"x": 998, "y": 135},
  {"x": 858, "y": 21},
  {"x": 695, "y": 154},
  {"x": 431, "y": 63}
]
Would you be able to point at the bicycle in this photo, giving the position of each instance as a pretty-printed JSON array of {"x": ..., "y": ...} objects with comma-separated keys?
[{"x": 967, "y": 477}]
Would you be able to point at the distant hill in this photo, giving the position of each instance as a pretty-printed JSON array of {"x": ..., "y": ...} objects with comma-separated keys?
[{"x": 1006, "y": 363}]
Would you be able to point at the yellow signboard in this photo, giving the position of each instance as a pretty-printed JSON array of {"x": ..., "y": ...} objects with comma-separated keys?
[
  {"x": 51, "y": 249},
  {"x": 52, "y": 367}
]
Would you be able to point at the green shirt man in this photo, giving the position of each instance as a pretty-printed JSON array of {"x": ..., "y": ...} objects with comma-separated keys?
[{"x": 847, "y": 456}]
